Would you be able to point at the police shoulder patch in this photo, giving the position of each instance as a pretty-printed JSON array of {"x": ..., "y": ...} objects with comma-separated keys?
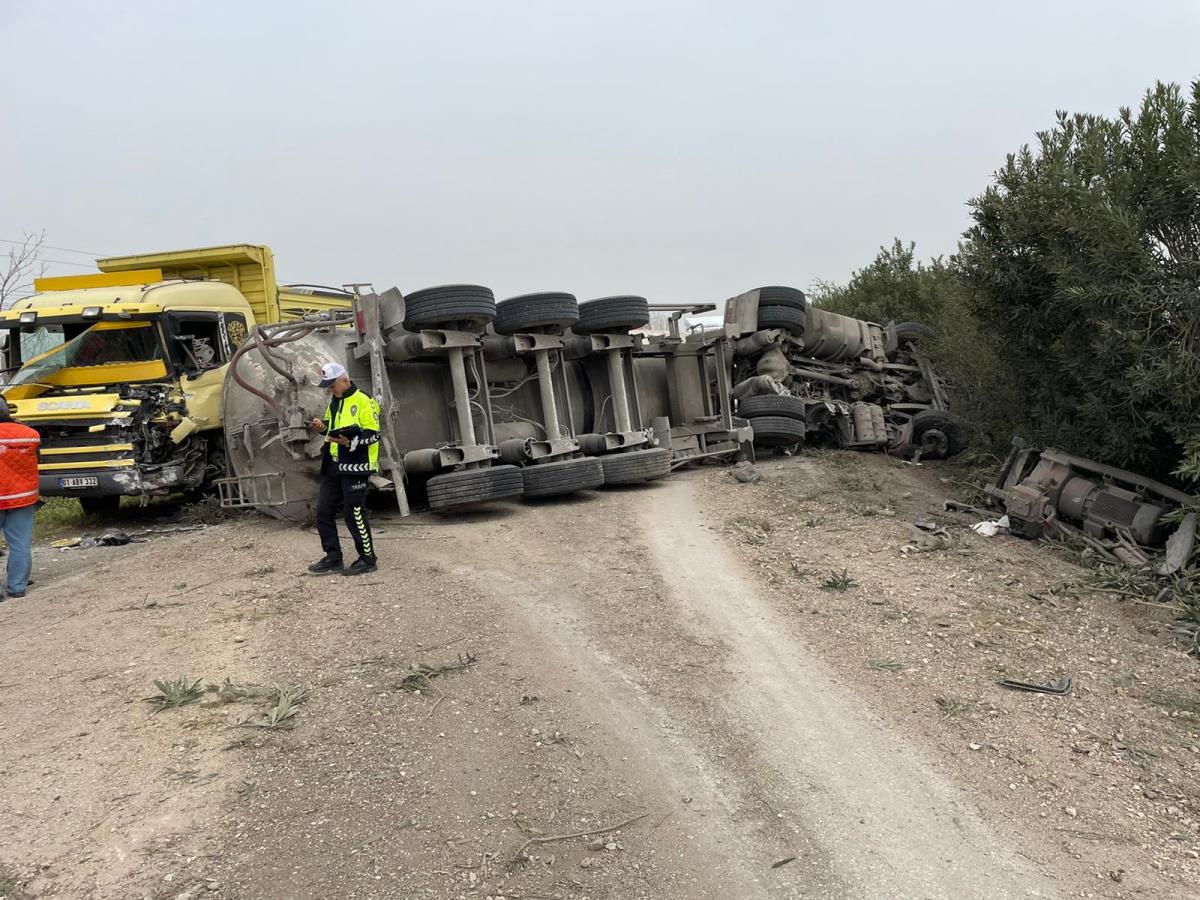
[{"x": 354, "y": 410}]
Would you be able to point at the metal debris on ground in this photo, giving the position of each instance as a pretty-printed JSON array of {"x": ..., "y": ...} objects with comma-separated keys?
[
  {"x": 1059, "y": 686},
  {"x": 119, "y": 538},
  {"x": 110, "y": 539},
  {"x": 1121, "y": 516}
]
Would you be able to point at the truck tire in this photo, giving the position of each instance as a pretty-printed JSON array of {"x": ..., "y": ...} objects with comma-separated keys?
[
  {"x": 473, "y": 486},
  {"x": 550, "y": 312},
  {"x": 936, "y": 435},
  {"x": 469, "y": 306},
  {"x": 635, "y": 466},
  {"x": 612, "y": 314},
  {"x": 788, "y": 318},
  {"x": 777, "y": 431},
  {"x": 550, "y": 479},
  {"x": 903, "y": 333},
  {"x": 782, "y": 296},
  {"x": 772, "y": 405}
]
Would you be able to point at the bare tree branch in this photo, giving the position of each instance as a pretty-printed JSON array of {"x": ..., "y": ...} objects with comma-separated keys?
[{"x": 24, "y": 263}]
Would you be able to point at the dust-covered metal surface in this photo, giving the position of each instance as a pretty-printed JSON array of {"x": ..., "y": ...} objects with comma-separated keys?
[
  {"x": 483, "y": 399},
  {"x": 803, "y": 374}
]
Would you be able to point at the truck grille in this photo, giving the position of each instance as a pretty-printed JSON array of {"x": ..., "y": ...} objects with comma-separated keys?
[{"x": 74, "y": 447}]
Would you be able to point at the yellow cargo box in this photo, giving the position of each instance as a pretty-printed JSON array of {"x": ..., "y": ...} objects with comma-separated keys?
[{"x": 248, "y": 267}]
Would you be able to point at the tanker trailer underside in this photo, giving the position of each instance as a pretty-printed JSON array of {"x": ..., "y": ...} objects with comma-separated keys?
[{"x": 537, "y": 395}]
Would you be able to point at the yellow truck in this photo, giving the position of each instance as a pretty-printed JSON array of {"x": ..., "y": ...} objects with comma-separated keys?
[{"x": 121, "y": 371}]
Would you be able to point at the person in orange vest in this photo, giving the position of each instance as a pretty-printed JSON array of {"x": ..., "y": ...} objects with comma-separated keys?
[{"x": 18, "y": 497}]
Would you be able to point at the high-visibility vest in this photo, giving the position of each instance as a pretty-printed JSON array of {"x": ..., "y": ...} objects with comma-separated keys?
[
  {"x": 18, "y": 465},
  {"x": 357, "y": 416}
]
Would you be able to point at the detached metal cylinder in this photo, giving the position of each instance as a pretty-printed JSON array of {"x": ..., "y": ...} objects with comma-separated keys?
[
  {"x": 462, "y": 400},
  {"x": 620, "y": 399}
]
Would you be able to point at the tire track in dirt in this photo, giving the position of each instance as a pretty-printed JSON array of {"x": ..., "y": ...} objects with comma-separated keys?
[
  {"x": 792, "y": 765},
  {"x": 892, "y": 825}
]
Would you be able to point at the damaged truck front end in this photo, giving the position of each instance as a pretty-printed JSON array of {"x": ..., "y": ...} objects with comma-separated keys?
[{"x": 127, "y": 403}]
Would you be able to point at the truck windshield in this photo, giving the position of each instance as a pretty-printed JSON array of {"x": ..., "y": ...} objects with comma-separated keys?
[{"x": 104, "y": 343}]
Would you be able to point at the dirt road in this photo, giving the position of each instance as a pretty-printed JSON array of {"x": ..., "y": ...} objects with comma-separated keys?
[{"x": 624, "y": 657}]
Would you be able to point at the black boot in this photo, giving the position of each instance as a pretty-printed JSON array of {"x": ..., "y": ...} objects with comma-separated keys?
[
  {"x": 326, "y": 564},
  {"x": 361, "y": 566}
]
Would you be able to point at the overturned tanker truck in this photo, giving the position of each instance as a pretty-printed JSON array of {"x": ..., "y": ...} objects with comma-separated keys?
[{"x": 540, "y": 395}]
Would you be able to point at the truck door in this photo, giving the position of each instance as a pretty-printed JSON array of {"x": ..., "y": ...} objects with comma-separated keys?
[{"x": 201, "y": 345}]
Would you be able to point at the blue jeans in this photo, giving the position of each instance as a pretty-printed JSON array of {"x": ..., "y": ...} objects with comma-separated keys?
[{"x": 17, "y": 525}]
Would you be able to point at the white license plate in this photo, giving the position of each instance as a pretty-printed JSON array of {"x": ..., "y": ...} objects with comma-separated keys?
[{"x": 79, "y": 481}]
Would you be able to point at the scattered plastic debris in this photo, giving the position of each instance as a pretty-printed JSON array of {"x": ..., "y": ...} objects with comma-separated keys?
[{"x": 991, "y": 529}]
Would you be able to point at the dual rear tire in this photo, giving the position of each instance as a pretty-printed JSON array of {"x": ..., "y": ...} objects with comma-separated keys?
[
  {"x": 778, "y": 420},
  {"x": 474, "y": 486},
  {"x": 551, "y": 479},
  {"x": 467, "y": 307},
  {"x": 636, "y": 466}
]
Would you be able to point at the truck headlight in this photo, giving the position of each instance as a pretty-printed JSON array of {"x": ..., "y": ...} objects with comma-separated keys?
[
  {"x": 91, "y": 312},
  {"x": 28, "y": 318}
]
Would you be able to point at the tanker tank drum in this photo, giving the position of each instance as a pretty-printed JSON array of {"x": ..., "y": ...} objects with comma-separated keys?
[{"x": 271, "y": 391}]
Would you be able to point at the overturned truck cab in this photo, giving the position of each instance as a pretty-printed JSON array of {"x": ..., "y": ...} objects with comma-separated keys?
[{"x": 804, "y": 374}]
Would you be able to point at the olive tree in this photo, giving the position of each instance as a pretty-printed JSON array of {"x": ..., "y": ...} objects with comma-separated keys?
[{"x": 1084, "y": 261}]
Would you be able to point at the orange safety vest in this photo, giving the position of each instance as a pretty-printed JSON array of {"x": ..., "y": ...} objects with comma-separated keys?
[{"x": 18, "y": 465}]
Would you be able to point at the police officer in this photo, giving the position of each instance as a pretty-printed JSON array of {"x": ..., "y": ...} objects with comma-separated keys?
[{"x": 350, "y": 455}]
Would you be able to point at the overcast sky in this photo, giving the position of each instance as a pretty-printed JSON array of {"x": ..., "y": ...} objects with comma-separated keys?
[{"x": 686, "y": 151}]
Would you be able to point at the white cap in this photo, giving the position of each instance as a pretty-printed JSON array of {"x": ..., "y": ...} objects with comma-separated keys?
[{"x": 331, "y": 372}]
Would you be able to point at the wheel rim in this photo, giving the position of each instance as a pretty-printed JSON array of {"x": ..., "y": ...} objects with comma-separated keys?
[{"x": 935, "y": 441}]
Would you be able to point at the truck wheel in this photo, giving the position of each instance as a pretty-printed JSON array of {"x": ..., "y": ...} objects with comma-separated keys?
[
  {"x": 937, "y": 435},
  {"x": 612, "y": 314},
  {"x": 782, "y": 296},
  {"x": 473, "y": 486},
  {"x": 467, "y": 305},
  {"x": 777, "y": 431},
  {"x": 904, "y": 333},
  {"x": 100, "y": 507},
  {"x": 563, "y": 477},
  {"x": 636, "y": 466},
  {"x": 788, "y": 318},
  {"x": 772, "y": 405},
  {"x": 552, "y": 312}
]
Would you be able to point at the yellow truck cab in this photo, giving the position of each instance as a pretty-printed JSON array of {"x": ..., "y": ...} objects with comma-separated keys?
[{"x": 121, "y": 371}]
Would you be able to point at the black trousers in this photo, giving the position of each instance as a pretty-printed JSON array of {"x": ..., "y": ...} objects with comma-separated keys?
[{"x": 349, "y": 492}]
